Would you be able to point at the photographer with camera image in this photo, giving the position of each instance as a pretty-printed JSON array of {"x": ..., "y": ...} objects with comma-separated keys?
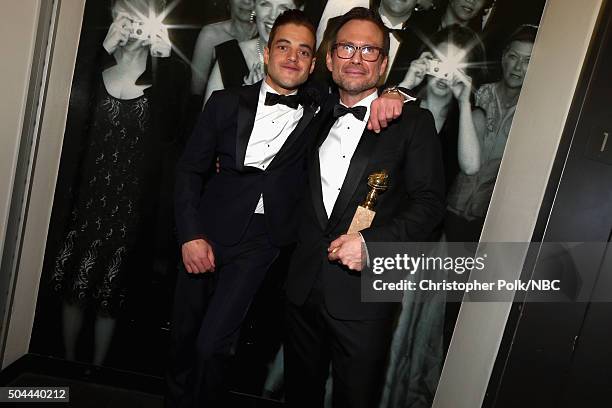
[
  {"x": 468, "y": 200},
  {"x": 126, "y": 152},
  {"x": 444, "y": 76},
  {"x": 138, "y": 30}
]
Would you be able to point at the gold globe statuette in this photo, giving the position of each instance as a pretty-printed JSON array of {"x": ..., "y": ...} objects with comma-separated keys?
[{"x": 364, "y": 215}]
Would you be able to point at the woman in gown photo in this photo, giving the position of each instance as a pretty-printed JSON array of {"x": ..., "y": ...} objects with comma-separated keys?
[{"x": 133, "y": 128}]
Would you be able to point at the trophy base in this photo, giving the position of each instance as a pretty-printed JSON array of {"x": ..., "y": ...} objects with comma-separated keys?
[{"x": 361, "y": 220}]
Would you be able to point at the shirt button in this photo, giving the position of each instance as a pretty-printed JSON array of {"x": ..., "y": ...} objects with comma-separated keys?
[{"x": 344, "y": 157}]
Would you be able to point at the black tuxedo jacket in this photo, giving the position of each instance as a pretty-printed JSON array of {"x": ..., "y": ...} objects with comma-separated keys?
[
  {"x": 409, "y": 210},
  {"x": 220, "y": 206}
]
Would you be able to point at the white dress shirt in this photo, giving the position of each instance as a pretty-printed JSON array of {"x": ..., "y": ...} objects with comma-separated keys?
[
  {"x": 272, "y": 127},
  {"x": 337, "y": 150}
]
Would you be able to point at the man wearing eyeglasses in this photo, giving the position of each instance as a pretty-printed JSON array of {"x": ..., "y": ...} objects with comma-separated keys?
[
  {"x": 233, "y": 224},
  {"x": 407, "y": 20},
  {"x": 325, "y": 318}
]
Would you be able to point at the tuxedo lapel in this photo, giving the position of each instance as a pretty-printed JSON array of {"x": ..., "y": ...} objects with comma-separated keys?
[
  {"x": 354, "y": 175},
  {"x": 247, "y": 108},
  {"x": 314, "y": 174},
  {"x": 299, "y": 129},
  {"x": 314, "y": 180},
  {"x": 403, "y": 56}
]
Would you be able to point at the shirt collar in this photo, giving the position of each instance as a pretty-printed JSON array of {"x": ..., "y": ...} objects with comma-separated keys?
[
  {"x": 367, "y": 101},
  {"x": 267, "y": 88}
]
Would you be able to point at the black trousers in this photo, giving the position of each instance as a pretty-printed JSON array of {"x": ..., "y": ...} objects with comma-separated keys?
[
  {"x": 357, "y": 349},
  {"x": 208, "y": 312}
]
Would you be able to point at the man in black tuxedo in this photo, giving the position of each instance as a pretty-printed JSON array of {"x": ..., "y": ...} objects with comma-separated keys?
[
  {"x": 325, "y": 318},
  {"x": 235, "y": 222}
]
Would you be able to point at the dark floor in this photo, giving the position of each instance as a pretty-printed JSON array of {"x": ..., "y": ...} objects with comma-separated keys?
[
  {"x": 98, "y": 387},
  {"x": 87, "y": 394}
]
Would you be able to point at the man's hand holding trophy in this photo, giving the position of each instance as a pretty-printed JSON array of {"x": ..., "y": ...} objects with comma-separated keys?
[{"x": 347, "y": 249}]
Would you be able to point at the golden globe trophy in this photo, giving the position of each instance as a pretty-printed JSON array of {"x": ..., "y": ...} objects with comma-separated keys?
[{"x": 378, "y": 182}]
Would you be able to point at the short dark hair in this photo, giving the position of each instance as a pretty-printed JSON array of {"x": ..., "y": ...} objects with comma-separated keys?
[
  {"x": 363, "y": 14},
  {"x": 293, "y": 16},
  {"x": 524, "y": 33}
]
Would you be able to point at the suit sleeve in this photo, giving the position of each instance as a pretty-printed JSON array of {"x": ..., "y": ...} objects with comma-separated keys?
[
  {"x": 191, "y": 170},
  {"x": 422, "y": 209}
]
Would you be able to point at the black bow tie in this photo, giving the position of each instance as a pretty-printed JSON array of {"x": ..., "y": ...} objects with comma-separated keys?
[
  {"x": 291, "y": 101},
  {"x": 357, "y": 111},
  {"x": 398, "y": 33}
]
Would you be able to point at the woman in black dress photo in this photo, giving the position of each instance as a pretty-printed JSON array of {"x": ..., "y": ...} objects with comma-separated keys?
[{"x": 134, "y": 116}]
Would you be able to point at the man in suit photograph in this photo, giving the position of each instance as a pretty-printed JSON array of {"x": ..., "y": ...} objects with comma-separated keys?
[
  {"x": 325, "y": 318},
  {"x": 235, "y": 221}
]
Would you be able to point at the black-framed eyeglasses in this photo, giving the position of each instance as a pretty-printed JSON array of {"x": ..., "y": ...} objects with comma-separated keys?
[{"x": 369, "y": 53}]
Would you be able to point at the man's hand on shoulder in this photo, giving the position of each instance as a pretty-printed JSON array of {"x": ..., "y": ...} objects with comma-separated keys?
[
  {"x": 385, "y": 109},
  {"x": 198, "y": 256}
]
